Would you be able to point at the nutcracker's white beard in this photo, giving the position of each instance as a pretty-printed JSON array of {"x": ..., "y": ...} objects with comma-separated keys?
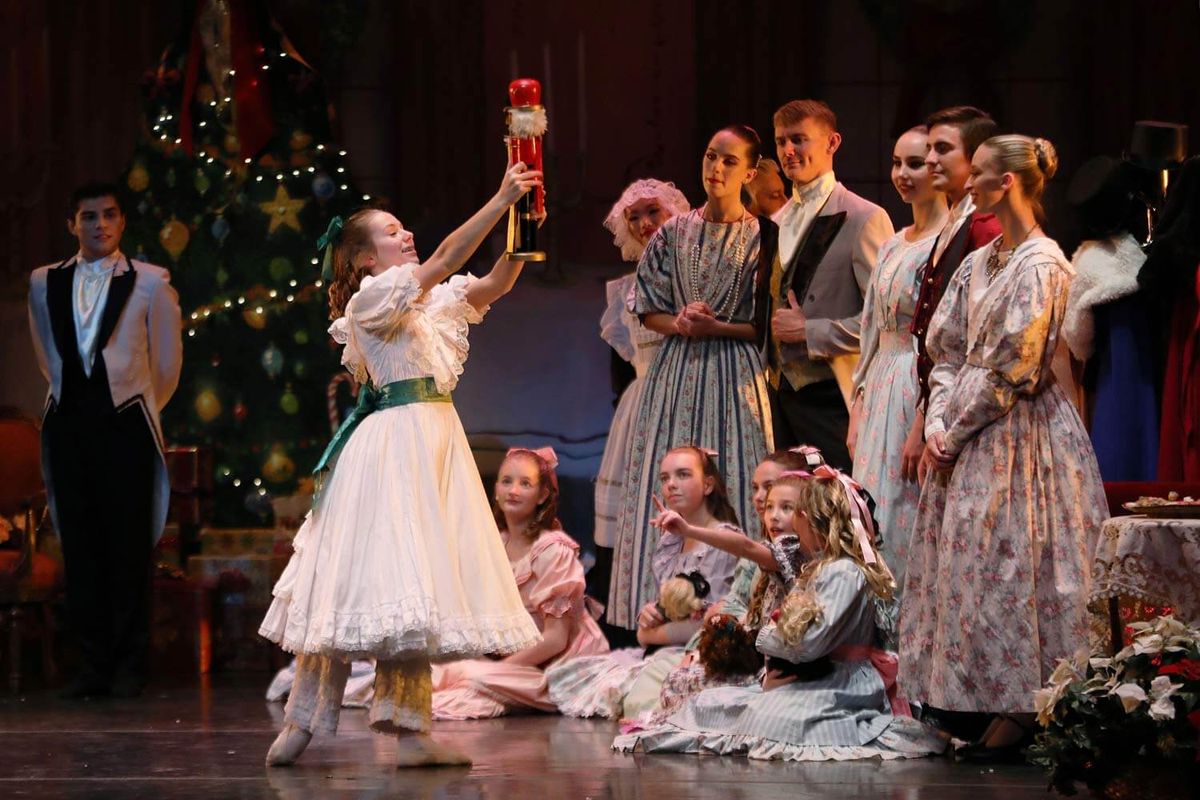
[{"x": 526, "y": 123}]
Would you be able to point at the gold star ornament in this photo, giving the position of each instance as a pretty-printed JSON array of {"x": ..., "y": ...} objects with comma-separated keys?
[{"x": 283, "y": 210}]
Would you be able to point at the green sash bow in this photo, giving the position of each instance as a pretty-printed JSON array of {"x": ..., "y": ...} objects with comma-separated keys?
[{"x": 370, "y": 400}]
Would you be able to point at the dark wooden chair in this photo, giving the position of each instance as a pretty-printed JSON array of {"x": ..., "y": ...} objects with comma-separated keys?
[{"x": 30, "y": 580}]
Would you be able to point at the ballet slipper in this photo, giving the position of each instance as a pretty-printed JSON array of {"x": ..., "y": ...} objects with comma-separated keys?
[
  {"x": 288, "y": 746},
  {"x": 420, "y": 750}
]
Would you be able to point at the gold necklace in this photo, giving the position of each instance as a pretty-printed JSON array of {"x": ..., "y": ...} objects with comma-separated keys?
[{"x": 993, "y": 266}]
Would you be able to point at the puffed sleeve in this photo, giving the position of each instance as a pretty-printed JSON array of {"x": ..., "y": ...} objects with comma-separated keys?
[
  {"x": 656, "y": 272},
  {"x": 613, "y": 327},
  {"x": 381, "y": 301},
  {"x": 558, "y": 581},
  {"x": 450, "y": 300},
  {"x": 841, "y": 591},
  {"x": 946, "y": 343},
  {"x": 1013, "y": 356}
]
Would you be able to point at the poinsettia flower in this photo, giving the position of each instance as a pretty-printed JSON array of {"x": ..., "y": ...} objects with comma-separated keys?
[
  {"x": 1068, "y": 670},
  {"x": 1161, "y": 689},
  {"x": 1044, "y": 701},
  {"x": 1147, "y": 643},
  {"x": 1131, "y": 696},
  {"x": 1188, "y": 669}
]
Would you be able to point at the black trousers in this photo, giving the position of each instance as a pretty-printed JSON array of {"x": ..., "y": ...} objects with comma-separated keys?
[
  {"x": 815, "y": 414},
  {"x": 103, "y": 467}
]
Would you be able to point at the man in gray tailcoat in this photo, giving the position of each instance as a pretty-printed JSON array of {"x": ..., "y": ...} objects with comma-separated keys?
[{"x": 807, "y": 309}]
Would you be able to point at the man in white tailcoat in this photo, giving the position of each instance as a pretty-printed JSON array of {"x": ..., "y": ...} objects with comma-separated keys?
[{"x": 107, "y": 333}]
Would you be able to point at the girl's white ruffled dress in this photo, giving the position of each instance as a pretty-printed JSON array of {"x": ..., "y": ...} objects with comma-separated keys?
[{"x": 401, "y": 556}]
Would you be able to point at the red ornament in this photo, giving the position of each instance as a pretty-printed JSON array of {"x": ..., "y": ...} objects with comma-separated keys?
[{"x": 240, "y": 412}]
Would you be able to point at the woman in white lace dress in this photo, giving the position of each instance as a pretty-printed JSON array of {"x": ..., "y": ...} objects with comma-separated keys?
[{"x": 400, "y": 559}]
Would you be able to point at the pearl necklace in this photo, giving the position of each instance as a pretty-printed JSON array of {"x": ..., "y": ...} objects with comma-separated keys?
[{"x": 738, "y": 256}]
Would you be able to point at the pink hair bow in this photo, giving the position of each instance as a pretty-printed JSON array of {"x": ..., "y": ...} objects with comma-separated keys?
[
  {"x": 708, "y": 451},
  {"x": 860, "y": 515},
  {"x": 795, "y": 473},
  {"x": 546, "y": 454}
]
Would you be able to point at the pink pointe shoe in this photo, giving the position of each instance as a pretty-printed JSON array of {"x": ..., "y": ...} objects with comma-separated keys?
[{"x": 288, "y": 746}]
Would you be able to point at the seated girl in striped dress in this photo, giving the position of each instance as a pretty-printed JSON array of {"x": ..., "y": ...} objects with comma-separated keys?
[{"x": 828, "y": 692}]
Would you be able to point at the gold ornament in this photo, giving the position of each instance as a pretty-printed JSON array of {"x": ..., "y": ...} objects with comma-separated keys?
[
  {"x": 138, "y": 178},
  {"x": 254, "y": 318},
  {"x": 174, "y": 237},
  {"x": 283, "y": 210},
  {"x": 208, "y": 405},
  {"x": 278, "y": 467},
  {"x": 300, "y": 140}
]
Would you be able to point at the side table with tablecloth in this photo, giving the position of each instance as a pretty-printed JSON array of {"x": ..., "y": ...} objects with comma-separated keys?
[{"x": 1152, "y": 560}]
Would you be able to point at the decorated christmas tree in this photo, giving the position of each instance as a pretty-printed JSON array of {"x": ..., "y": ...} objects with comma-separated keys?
[{"x": 233, "y": 182}]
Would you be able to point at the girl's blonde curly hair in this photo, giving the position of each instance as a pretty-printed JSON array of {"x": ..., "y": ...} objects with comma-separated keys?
[{"x": 832, "y": 517}]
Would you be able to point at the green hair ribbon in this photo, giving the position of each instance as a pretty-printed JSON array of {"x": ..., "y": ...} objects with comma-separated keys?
[{"x": 328, "y": 239}]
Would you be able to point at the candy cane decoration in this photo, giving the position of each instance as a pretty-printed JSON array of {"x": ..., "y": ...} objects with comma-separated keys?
[{"x": 335, "y": 419}]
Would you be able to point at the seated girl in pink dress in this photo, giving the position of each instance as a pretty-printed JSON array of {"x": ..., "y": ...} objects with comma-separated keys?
[{"x": 545, "y": 563}]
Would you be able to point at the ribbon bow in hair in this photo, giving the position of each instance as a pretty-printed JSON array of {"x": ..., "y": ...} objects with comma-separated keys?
[
  {"x": 708, "y": 451},
  {"x": 328, "y": 239},
  {"x": 546, "y": 454},
  {"x": 812, "y": 456},
  {"x": 860, "y": 515}
]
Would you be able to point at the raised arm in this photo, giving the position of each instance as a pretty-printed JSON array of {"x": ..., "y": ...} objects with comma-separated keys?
[
  {"x": 454, "y": 251},
  {"x": 733, "y": 542},
  {"x": 497, "y": 283}
]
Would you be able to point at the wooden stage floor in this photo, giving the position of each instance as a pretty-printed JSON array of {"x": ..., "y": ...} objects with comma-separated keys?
[{"x": 207, "y": 741}]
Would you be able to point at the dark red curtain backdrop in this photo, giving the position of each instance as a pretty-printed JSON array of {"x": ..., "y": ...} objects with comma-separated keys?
[{"x": 420, "y": 94}]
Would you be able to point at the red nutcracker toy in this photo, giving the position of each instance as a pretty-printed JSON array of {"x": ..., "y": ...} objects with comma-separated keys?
[{"x": 525, "y": 119}]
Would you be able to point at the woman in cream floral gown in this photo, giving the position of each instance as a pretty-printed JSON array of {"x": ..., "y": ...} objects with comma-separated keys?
[{"x": 998, "y": 568}]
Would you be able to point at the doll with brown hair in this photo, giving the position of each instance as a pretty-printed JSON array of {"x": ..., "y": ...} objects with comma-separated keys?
[
  {"x": 549, "y": 576},
  {"x": 852, "y": 711},
  {"x": 400, "y": 560}
]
